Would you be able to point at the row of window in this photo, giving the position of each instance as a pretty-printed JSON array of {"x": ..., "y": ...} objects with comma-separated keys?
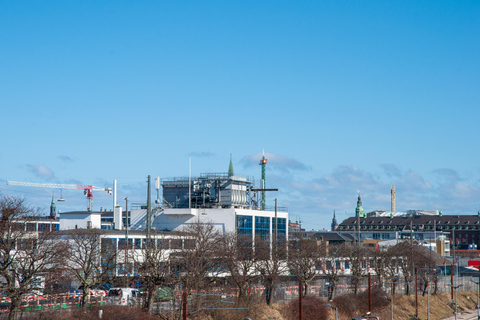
[
  {"x": 34, "y": 226},
  {"x": 262, "y": 225},
  {"x": 399, "y": 227},
  {"x": 382, "y": 236},
  {"x": 136, "y": 243}
]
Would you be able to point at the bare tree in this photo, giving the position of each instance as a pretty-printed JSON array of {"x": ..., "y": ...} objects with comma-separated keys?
[
  {"x": 356, "y": 256},
  {"x": 378, "y": 263},
  {"x": 236, "y": 252},
  {"x": 198, "y": 261},
  {"x": 24, "y": 255},
  {"x": 303, "y": 257},
  {"x": 156, "y": 268},
  {"x": 413, "y": 256},
  {"x": 424, "y": 260},
  {"x": 90, "y": 258},
  {"x": 392, "y": 267},
  {"x": 328, "y": 264},
  {"x": 270, "y": 264}
]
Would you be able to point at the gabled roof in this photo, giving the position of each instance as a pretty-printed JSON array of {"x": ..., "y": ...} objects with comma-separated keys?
[
  {"x": 415, "y": 220},
  {"x": 334, "y": 236}
]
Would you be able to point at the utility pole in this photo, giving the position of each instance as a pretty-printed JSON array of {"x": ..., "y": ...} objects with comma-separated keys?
[
  {"x": 451, "y": 280},
  {"x": 478, "y": 289},
  {"x": 149, "y": 212},
  {"x": 300, "y": 302},
  {"x": 416, "y": 293},
  {"x": 184, "y": 304},
  {"x": 276, "y": 229},
  {"x": 369, "y": 294},
  {"x": 126, "y": 243}
]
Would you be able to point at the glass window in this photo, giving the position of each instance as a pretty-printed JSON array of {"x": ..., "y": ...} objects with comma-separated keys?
[
  {"x": 189, "y": 243},
  {"x": 245, "y": 236},
  {"x": 176, "y": 244},
  {"x": 121, "y": 243},
  {"x": 262, "y": 228},
  {"x": 138, "y": 243},
  {"x": 43, "y": 227},
  {"x": 163, "y": 244},
  {"x": 244, "y": 226}
]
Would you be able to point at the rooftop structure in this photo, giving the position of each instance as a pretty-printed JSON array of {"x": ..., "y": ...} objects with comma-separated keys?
[{"x": 210, "y": 190}]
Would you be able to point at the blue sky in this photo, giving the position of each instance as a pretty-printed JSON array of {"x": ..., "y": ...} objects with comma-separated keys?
[{"x": 344, "y": 96}]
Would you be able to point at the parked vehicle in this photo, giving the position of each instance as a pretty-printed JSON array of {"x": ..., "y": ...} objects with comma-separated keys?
[
  {"x": 98, "y": 288},
  {"x": 123, "y": 296}
]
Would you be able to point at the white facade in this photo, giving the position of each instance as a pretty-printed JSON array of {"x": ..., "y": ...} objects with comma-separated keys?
[
  {"x": 224, "y": 219},
  {"x": 80, "y": 220}
]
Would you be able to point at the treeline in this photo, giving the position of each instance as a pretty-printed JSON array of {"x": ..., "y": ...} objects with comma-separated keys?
[{"x": 204, "y": 261}]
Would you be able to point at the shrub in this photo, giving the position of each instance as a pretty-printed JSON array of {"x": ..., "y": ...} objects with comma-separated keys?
[
  {"x": 313, "y": 309},
  {"x": 109, "y": 313}
]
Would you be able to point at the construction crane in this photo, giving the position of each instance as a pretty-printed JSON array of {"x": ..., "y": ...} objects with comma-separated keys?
[{"x": 87, "y": 189}]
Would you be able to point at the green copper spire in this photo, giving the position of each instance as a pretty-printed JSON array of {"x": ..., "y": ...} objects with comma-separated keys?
[
  {"x": 53, "y": 208},
  {"x": 359, "y": 210},
  {"x": 230, "y": 167}
]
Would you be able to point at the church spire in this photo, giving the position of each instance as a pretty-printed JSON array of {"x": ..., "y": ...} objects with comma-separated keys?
[
  {"x": 230, "y": 167},
  {"x": 53, "y": 208},
  {"x": 359, "y": 210},
  {"x": 334, "y": 222}
]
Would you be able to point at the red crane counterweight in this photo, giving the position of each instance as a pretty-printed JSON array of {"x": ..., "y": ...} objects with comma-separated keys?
[{"x": 87, "y": 189}]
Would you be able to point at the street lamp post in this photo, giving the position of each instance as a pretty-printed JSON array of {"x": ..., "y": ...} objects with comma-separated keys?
[
  {"x": 369, "y": 316},
  {"x": 476, "y": 306},
  {"x": 391, "y": 305},
  {"x": 428, "y": 302},
  {"x": 334, "y": 308},
  {"x": 455, "y": 301}
]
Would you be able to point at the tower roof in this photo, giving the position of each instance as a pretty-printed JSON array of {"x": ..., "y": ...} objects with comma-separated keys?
[{"x": 230, "y": 167}]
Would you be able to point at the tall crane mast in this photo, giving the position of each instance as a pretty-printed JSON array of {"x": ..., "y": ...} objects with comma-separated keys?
[
  {"x": 87, "y": 189},
  {"x": 263, "y": 163}
]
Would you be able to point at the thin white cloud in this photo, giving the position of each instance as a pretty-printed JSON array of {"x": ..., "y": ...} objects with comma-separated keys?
[
  {"x": 41, "y": 171},
  {"x": 315, "y": 199},
  {"x": 276, "y": 162},
  {"x": 391, "y": 170}
]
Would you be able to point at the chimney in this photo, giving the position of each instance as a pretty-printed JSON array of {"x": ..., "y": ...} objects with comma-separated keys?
[{"x": 117, "y": 218}]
